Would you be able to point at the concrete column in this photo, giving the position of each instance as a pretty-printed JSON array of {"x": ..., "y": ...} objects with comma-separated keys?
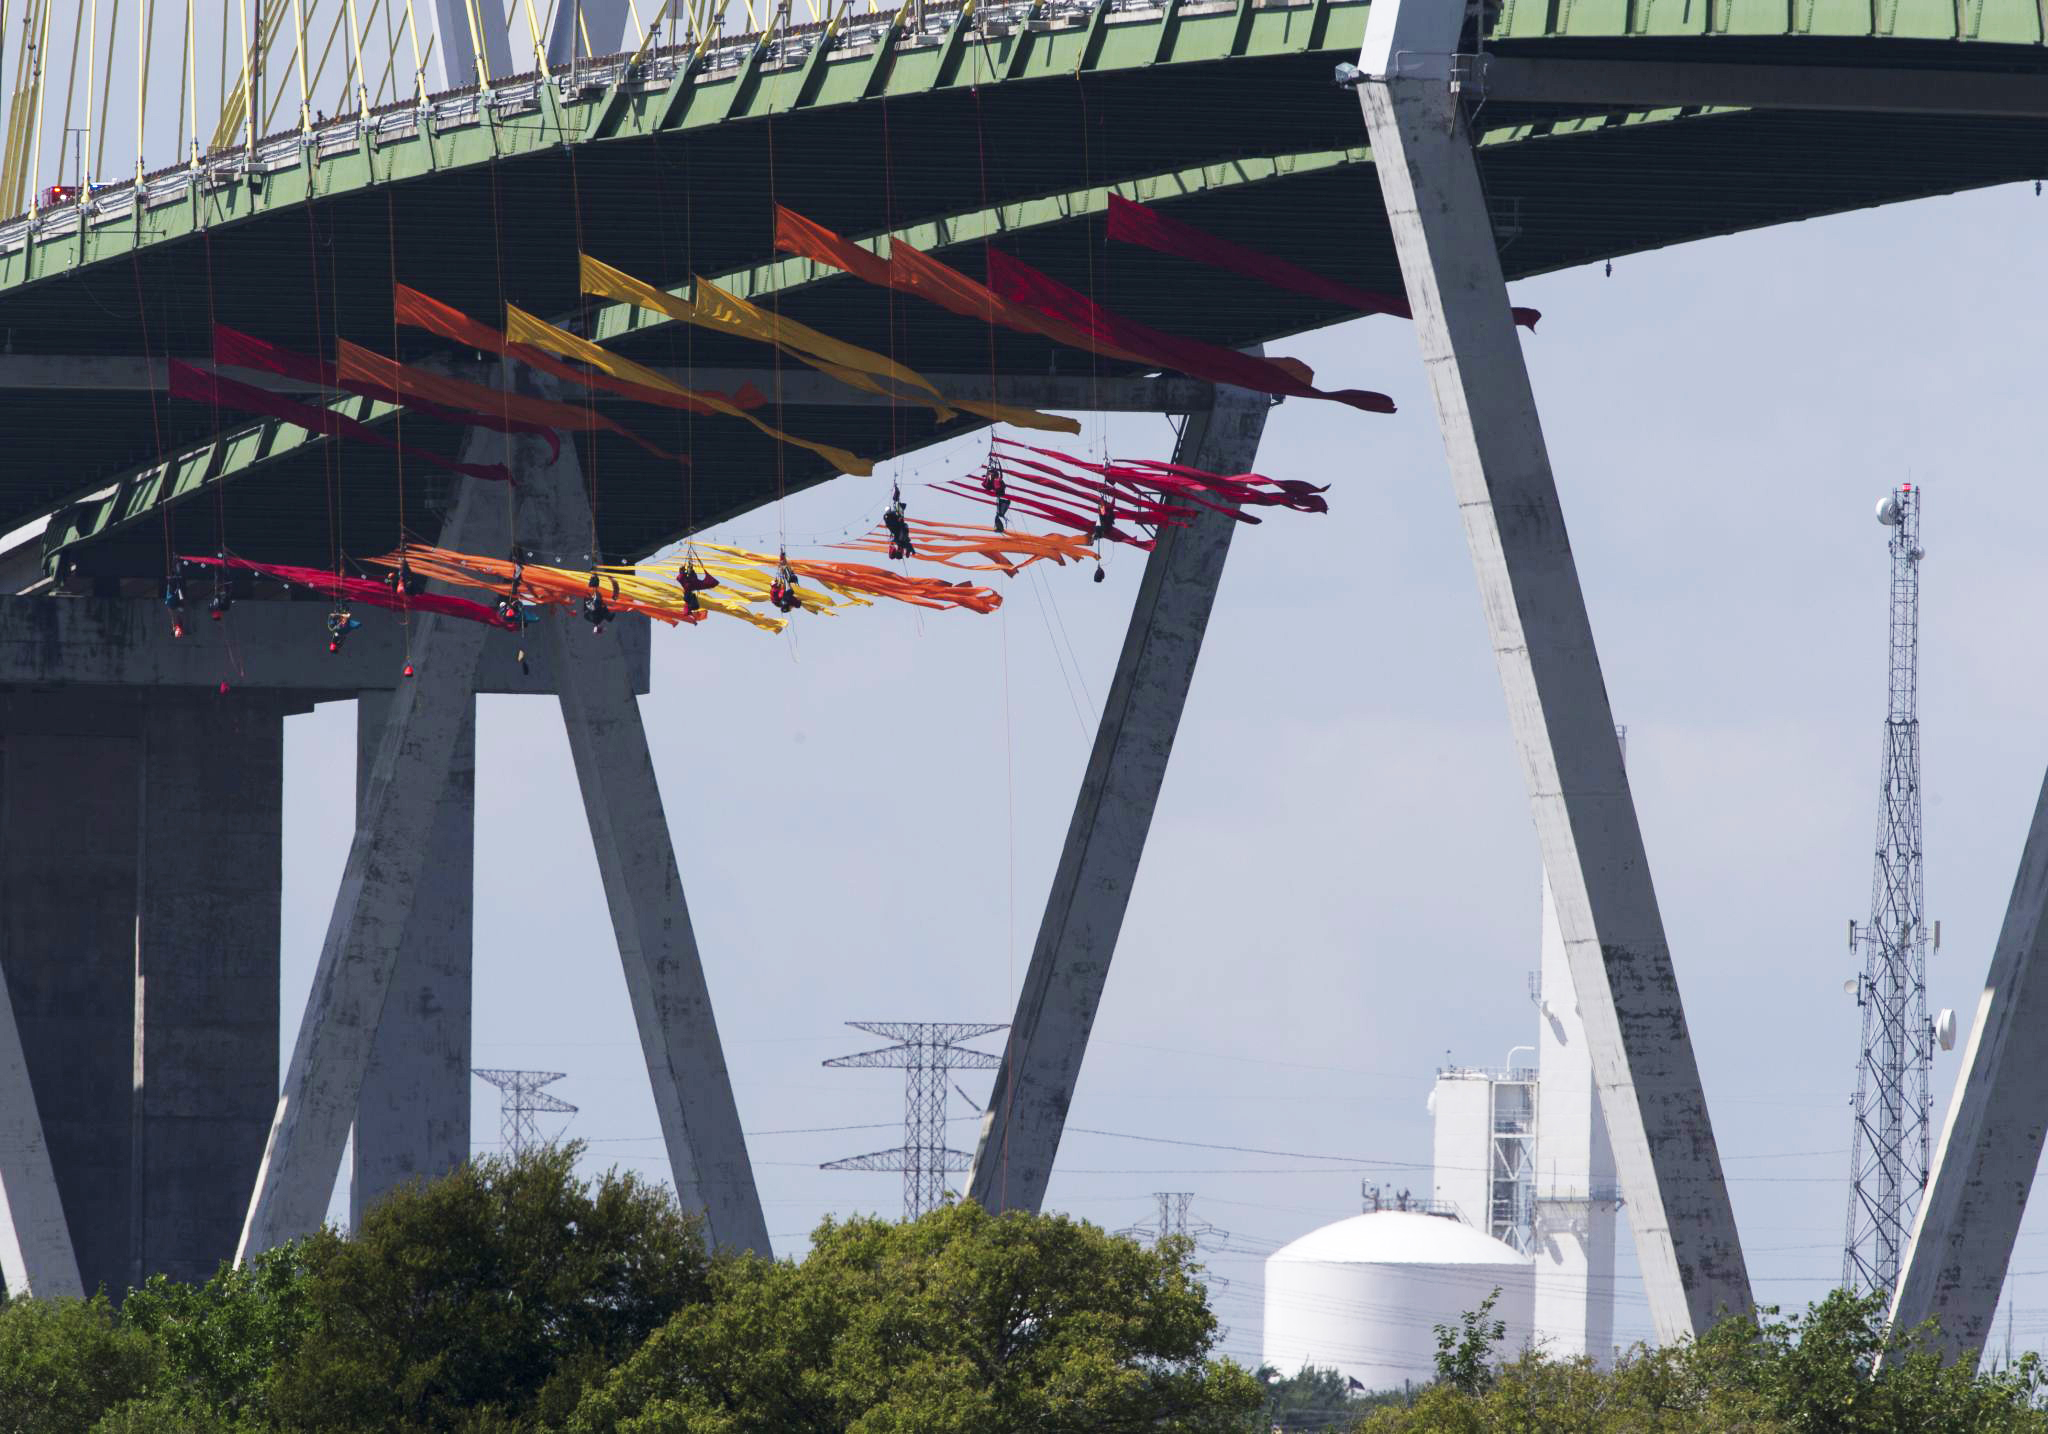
[
  {"x": 1990, "y": 1148},
  {"x": 205, "y": 975},
  {"x": 36, "y": 1257},
  {"x": 1575, "y": 1179},
  {"x": 386, "y": 864},
  {"x": 70, "y": 811},
  {"x": 1592, "y": 848},
  {"x": 412, "y": 1119},
  {"x": 1020, "y": 1133},
  {"x": 636, "y": 857}
]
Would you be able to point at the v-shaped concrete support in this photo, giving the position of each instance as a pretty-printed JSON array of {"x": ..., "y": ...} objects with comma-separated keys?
[
  {"x": 1020, "y": 1133},
  {"x": 1643, "y": 1063}
]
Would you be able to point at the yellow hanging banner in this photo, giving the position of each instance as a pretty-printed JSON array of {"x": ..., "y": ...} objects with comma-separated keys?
[
  {"x": 523, "y": 328},
  {"x": 722, "y": 311}
]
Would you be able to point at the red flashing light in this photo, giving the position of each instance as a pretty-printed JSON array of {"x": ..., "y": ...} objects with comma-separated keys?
[
  {"x": 223, "y": 689},
  {"x": 177, "y": 629},
  {"x": 408, "y": 669}
]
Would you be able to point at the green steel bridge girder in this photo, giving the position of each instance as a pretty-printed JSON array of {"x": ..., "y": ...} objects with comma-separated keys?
[
  {"x": 1176, "y": 58},
  {"x": 530, "y": 117}
]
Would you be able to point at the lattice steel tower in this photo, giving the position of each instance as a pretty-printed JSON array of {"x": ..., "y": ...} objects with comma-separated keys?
[
  {"x": 928, "y": 1052},
  {"x": 523, "y": 1099},
  {"x": 1889, "y": 1146}
]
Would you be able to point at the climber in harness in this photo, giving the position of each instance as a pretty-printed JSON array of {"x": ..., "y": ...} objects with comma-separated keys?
[
  {"x": 898, "y": 526},
  {"x": 782, "y": 591},
  {"x": 693, "y": 580},
  {"x": 340, "y": 623},
  {"x": 174, "y": 600},
  {"x": 596, "y": 611},
  {"x": 992, "y": 484}
]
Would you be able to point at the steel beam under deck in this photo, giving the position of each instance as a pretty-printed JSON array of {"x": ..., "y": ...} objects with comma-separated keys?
[
  {"x": 1027, "y": 1111},
  {"x": 800, "y": 387},
  {"x": 1962, "y": 1239},
  {"x": 1592, "y": 847},
  {"x": 1661, "y": 84},
  {"x": 260, "y": 645}
]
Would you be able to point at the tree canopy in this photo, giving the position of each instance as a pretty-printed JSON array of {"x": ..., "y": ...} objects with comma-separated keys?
[{"x": 960, "y": 1320}]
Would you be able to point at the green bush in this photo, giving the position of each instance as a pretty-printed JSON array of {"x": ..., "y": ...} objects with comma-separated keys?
[
  {"x": 64, "y": 1363},
  {"x": 958, "y": 1321}
]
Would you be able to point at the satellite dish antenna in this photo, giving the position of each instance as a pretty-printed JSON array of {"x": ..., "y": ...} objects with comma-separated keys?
[
  {"x": 1945, "y": 1030},
  {"x": 1888, "y": 510},
  {"x": 1849, "y": 986}
]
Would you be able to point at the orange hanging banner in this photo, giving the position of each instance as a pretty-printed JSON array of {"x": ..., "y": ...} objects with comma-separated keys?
[
  {"x": 422, "y": 311},
  {"x": 360, "y": 366}
]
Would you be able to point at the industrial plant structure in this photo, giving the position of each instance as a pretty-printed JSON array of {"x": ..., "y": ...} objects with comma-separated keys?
[{"x": 1523, "y": 1200}]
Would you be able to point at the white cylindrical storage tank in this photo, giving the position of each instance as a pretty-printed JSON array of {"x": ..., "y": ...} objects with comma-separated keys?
[{"x": 1364, "y": 1296}]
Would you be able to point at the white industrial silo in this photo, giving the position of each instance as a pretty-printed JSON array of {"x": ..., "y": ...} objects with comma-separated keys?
[{"x": 1364, "y": 1295}]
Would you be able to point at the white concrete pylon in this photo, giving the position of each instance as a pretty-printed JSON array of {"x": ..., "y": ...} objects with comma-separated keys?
[
  {"x": 1669, "y": 1167},
  {"x": 1990, "y": 1149},
  {"x": 36, "y": 1257},
  {"x": 386, "y": 864},
  {"x": 586, "y": 29},
  {"x": 1027, "y": 1111},
  {"x": 456, "y": 27},
  {"x": 636, "y": 858}
]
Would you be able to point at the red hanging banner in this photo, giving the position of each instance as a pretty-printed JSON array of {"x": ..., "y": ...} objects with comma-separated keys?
[
  {"x": 198, "y": 386},
  {"x": 1149, "y": 228}
]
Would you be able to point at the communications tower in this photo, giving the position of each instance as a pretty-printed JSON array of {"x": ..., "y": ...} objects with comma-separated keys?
[{"x": 1888, "y": 1155}]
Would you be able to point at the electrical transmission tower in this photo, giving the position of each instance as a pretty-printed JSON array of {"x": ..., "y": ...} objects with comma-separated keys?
[
  {"x": 1889, "y": 1146},
  {"x": 928, "y": 1052},
  {"x": 523, "y": 1099},
  {"x": 1172, "y": 1219}
]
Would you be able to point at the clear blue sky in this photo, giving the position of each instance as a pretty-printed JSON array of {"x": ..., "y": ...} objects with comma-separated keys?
[{"x": 1342, "y": 883}]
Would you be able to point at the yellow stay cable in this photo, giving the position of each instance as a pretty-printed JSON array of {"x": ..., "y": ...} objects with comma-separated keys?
[
  {"x": 29, "y": 164},
  {"x": 305, "y": 89},
  {"x": 145, "y": 26},
  {"x": 191, "y": 85},
  {"x": 419, "y": 65},
  {"x": 248, "y": 84},
  {"x": 42, "y": 88},
  {"x": 540, "y": 53},
  {"x": 477, "y": 47},
  {"x": 18, "y": 106},
  {"x": 91, "y": 44},
  {"x": 99, "y": 152},
  {"x": 10, "y": 148},
  {"x": 327, "y": 52},
  {"x": 355, "y": 35}
]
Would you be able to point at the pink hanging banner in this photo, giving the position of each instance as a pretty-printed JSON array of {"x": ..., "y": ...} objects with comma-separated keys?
[{"x": 367, "y": 591}]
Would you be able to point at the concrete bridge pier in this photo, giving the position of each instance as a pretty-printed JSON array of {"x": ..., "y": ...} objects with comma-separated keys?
[
  {"x": 140, "y": 859},
  {"x": 412, "y": 1118},
  {"x": 1542, "y": 635}
]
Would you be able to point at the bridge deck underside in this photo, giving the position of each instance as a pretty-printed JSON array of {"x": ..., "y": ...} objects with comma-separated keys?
[{"x": 701, "y": 200}]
